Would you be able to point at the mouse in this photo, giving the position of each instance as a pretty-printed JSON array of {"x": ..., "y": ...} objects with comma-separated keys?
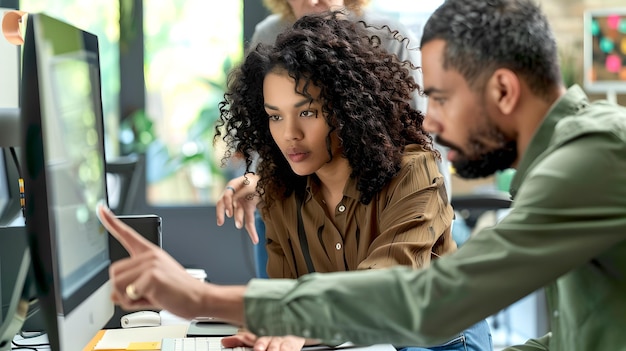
[{"x": 141, "y": 319}]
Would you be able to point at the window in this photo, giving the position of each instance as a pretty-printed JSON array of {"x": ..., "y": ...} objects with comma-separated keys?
[
  {"x": 190, "y": 46},
  {"x": 100, "y": 17}
]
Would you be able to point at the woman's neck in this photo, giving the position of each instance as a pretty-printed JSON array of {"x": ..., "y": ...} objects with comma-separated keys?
[{"x": 333, "y": 178}]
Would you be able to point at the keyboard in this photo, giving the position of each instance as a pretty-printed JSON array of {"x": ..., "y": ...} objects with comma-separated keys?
[{"x": 197, "y": 344}]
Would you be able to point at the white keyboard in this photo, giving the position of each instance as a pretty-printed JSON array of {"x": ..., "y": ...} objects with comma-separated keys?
[{"x": 197, "y": 344}]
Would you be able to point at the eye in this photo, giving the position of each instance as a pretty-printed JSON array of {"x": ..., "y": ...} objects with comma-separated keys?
[
  {"x": 274, "y": 117},
  {"x": 308, "y": 113},
  {"x": 438, "y": 100}
]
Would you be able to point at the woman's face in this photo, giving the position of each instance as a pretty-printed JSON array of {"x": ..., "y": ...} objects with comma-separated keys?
[
  {"x": 307, "y": 7},
  {"x": 297, "y": 125}
]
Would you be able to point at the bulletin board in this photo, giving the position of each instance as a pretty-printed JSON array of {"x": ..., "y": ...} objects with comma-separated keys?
[{"x": 605, "y": 50}]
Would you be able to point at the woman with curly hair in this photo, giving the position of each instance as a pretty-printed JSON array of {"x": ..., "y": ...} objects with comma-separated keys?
[
  {"x": 388, "y": 29},
  {"x": 346, "y": 177}
]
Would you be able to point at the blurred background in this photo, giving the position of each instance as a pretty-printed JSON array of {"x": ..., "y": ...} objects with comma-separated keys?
[{"x": 164, "y": 65}]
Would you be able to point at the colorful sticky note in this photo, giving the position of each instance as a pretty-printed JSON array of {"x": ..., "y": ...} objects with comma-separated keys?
[
  {"x": 595, "y": 27},
  {"x": 622, "y": 26},
  {"x": 606, "y": 45},
  {"x": 613, "y": 63},
  {"x": 613, "y": 21}
]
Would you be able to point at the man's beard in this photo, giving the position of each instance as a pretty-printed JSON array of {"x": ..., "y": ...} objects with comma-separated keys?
[
  {"x": 488, "y": 162},
  {"x": 484, "y": 162}
]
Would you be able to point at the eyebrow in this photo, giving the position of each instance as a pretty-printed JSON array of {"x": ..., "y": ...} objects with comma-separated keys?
[{"x": 298, "y": 104}]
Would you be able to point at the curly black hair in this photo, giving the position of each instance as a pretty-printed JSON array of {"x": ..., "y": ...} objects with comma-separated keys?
[{"x": 365, "y": 92}]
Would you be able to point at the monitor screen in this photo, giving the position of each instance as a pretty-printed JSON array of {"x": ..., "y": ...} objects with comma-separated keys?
[
  {"x": 605, "y": 50},
  {"x": 65, "y": 179}
]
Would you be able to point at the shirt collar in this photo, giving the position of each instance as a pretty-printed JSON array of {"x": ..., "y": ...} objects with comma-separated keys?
[
  {"x": 567, "y": 105},
  {"x": 350, "y": 190}
]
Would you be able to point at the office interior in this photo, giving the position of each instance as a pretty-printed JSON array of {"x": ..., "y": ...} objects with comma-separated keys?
[{"x": 188, "y": 224}]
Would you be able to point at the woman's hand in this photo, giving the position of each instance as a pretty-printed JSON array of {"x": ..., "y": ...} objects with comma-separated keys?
[
  {"x": 239, "y": 200},
  {"x": 265, "y": 343}
]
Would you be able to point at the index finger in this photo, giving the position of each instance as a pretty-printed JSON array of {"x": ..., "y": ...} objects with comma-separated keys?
[{"x": 132, "y": 241}]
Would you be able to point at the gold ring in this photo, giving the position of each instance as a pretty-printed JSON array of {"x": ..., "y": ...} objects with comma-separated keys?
[{"x": 131, "y": 292}]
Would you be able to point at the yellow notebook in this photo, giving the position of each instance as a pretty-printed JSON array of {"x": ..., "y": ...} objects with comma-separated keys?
[{"x": 136, "y": 339}]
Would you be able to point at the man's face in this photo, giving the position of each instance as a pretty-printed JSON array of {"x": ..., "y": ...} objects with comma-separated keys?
[
  {"x": 461, "y": 119},
  {"x": 307, "y": 7}
]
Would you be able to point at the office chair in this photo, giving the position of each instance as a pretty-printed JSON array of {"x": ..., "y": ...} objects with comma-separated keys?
[
  {"x": 124, "y": 179},
  {"x": 472, "y": 206}
]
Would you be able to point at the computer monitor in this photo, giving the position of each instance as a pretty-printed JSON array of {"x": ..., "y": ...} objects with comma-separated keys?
[{"x": 64, "y": 174}]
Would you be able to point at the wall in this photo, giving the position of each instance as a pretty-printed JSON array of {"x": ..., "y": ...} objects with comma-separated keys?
[{"x": 566, "y": 18}]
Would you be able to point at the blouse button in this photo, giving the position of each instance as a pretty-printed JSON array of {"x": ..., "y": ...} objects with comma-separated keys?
[
  {"x": 342, "y": 208},
  {"x": 338, "y": 246}
]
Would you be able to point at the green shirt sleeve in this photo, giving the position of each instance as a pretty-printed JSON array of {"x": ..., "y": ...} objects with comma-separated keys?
[
  {"x": 540, "y": 344},
  {"x": 569, "y": 209}
]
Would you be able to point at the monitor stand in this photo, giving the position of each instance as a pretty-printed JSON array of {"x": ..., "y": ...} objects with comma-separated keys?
[{"x": 18, "y": 307}]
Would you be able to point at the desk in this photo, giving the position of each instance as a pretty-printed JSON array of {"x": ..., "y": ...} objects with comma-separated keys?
[
  {"x": 41, "y": 342},
  {"x": 168, "y": 319}
]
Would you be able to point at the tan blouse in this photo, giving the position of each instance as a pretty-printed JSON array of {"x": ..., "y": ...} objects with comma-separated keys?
[{"x": 407, "y": 223}]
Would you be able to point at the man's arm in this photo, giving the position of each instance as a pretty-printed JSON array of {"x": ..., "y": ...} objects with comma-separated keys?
[{"x": 569, "y": 210}]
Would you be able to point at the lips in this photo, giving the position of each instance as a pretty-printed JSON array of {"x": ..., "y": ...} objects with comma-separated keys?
[
  {"x": 297, "y": 155},
  {"x": 452, "y": 155}
]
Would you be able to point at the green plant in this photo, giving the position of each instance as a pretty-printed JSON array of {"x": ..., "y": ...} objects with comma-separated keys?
[{"x": 570, "y": 59}]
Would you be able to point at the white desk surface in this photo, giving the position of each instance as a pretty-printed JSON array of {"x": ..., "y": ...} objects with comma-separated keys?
[{"x": 170, "y": 319}]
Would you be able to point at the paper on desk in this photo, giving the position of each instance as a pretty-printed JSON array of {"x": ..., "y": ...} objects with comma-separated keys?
[{"x": 124, "y": 339}]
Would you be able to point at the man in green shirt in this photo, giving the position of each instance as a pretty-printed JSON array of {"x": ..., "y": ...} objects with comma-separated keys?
[{"x": 496, "y": 99}]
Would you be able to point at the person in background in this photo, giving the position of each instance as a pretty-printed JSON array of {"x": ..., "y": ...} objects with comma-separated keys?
[
  {"x": 497, "y": 98},
  {"x": 390, "y": 33},
  {"x": 348, "y": 179}
]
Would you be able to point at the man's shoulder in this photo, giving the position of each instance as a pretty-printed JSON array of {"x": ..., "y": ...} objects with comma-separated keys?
[{"x": 598, "y": 117}]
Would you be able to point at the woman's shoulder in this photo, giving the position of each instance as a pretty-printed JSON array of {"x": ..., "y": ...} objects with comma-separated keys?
[
  {"x": 416, "y": 153},
  {"x": 418, "y": 163}
]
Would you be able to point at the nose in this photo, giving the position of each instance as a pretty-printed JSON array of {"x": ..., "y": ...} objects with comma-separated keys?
[
  {"x": 313, "y": 2},
  {"x": 431, "y": 122},
  {"x": 292, "y": 129}
]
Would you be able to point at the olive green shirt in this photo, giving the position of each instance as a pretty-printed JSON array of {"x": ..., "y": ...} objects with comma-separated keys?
[
  {"x": 406, "y": 223},
  {"x": 566, "y": 231}
]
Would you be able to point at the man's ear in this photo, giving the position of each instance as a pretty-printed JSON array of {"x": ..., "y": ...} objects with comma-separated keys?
[{"x": 503, "y": 90}]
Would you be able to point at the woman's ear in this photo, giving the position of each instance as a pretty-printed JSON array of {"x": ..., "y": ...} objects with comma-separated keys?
[{"x": 503, "y": 90}]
